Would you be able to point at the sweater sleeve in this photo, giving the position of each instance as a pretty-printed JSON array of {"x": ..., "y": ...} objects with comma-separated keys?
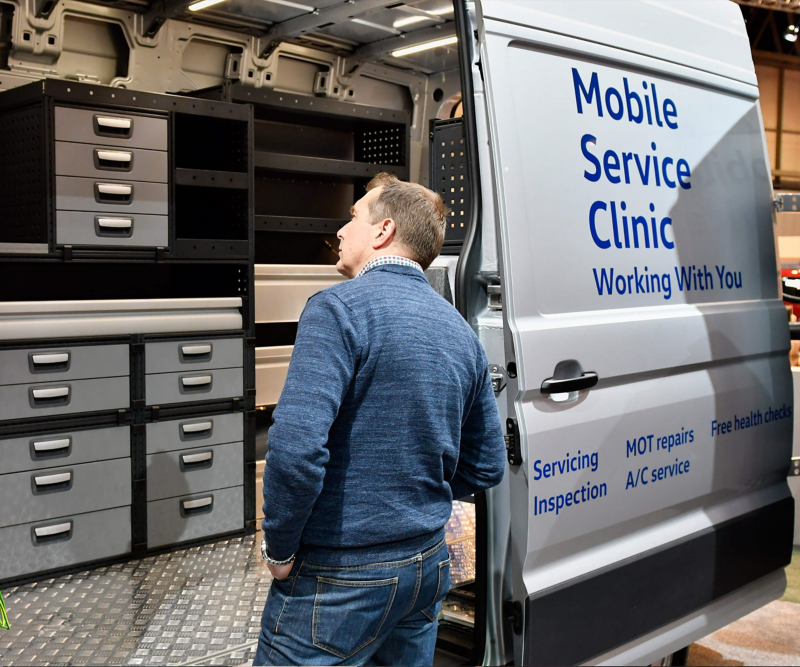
[
  {"x": 323, "y": 363},
  {"x": 482, "y": 456}
]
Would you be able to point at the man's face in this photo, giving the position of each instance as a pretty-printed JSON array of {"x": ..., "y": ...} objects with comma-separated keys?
[{"x": 357, "y": 236}]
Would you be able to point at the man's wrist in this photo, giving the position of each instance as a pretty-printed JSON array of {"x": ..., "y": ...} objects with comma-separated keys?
[{"x": 273, "y": 561}]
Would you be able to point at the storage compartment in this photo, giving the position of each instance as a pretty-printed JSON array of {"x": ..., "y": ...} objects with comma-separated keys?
[
  {"x": 98, "y": 126},
  {"x": 198, "y": 431},
  {"x": 283, "y": 290},
  {"x": 79, "y": 228},
  {"x": 166, "y": 388},
  {"x": 211, "y": 213},
  {"x": 272, "y": 366},
  {"x": 46, "y": 545},
  {"x": 62, "y": 363},
  {"x": 23, "y": 401},
  {"x": 178, "y": 473},
  {"x": 206, "y": 142},
  {"x": 64, "y": 448},
  {"x": 57, "y": 492},
  {"x": 193, "y": 355},
  {"x": 93, "y": 161},
  {"x": 194, "y": 516},
  {"x": 109, "y": 195}
]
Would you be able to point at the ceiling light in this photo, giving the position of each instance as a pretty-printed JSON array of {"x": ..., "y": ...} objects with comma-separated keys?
[
  {"x": 295, "y": 5},
  {"x": 376, "y": 26},
  {"x": 203, "y": 4},
  {"x": 424, "y": 47},
  {"x": 791, "y": 33},
  {"x": 401, "y": 23}
]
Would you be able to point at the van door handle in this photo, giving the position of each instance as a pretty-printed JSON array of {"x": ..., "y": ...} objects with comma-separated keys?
[{"x": 585, "y": 381}]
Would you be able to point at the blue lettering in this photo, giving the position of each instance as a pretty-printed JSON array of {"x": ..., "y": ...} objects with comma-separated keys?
[
  {"x": 588, "y": 95},
  {"x": 597, "y": 206},
  {"x": 589, "y": 139}
]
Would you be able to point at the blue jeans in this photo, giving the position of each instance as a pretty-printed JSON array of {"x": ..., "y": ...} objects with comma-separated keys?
[{"x": 377, "y": 614}]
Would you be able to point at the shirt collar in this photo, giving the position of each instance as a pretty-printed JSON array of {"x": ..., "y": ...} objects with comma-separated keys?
[{"x": 383, "y": 260}]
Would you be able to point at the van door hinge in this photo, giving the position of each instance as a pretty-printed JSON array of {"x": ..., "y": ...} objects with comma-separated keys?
[
  {"x": 498, "y": 376},
  {"x": 794, "y": 467},
  {"x": 512, "y": 611},
  {"x": 513, "y": 445}
]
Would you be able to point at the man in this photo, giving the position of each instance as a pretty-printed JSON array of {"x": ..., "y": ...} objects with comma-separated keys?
[{"x": 387, "y": 415}]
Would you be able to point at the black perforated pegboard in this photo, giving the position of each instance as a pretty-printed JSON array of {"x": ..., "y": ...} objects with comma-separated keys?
[
  {"x": 23, "y": 212},
  {"x": 384, "y": 145},
  {"x": 449, "y": 176}
]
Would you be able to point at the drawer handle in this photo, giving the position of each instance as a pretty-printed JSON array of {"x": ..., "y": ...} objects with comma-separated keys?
[
  {"x": 193, "y": 461},
  {"x": 198, "y": 427},
  {"x": 55, "y": 392},
  {"x": 116, "y": 123},
  {"x": 51, "y": 531},
  {"x": 114, "y": 156},
  {"x": 50, "y": 359},
  {"x": 113, "y": 160},
  {"x": 115, "y": 223},
  {"x": 196, "y": 382},
  {"x": 114, "y": 189},
  {"x": 51, "y": 445},
  {"x": 113, "y": 193},
  {"x": 195, "y": 350},
  {"x": 52, "y": 480},
  {"x": 197, "y": 506}
]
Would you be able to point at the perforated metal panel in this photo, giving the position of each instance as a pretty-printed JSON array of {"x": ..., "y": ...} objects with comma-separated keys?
[
  {"x": 384, "y": 145},
  {"x": 449, "y": 176},
  {"x": 23, "y": 217}
]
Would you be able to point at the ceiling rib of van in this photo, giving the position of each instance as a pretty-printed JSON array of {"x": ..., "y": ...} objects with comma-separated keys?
[{"x": 359, "y": 30}]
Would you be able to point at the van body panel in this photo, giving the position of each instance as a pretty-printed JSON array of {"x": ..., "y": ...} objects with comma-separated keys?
[
  {"x": 707, "y": 36},
  {"x": 684, "y": 442}
]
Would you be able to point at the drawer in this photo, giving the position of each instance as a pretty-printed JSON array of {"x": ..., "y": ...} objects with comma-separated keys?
[
  {"x": 57, "y": 492},
  {"x": 63, "y": 363},
  {"x": 118, "y": 229},
  {"x": 21, "y": 401},
  {"x": 108, "y": 195},
  {"x": 194, "y": 516},
  {"x": 187, "y": 471},
  {"x": 64, "y": 448},
  {"x": 194, "y": 432},
  {"x": 193, "y": 355},
  {"x": 92, "y": 126},
  {"x": 93, "y": 161},
  {"x": 46, "y": 545},
  {"x": 165, "y": 388}
]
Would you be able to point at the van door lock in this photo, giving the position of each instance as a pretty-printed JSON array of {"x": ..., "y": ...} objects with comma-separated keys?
[
  {"x": 498, "y": 376},
  {"x": 513, "y": 445},
  {"x": 794, "y": 467},
  {"x": 512, "y": 611}
]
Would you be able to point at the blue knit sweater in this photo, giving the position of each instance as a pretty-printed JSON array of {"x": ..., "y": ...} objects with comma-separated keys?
[{"x": 387, "y": 415}]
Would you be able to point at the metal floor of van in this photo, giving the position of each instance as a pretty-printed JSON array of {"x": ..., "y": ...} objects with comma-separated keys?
[{"x": 197, "y": 606}]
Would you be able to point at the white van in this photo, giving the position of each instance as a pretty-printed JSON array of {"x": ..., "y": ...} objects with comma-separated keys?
[{"x": 616, "y": 257}]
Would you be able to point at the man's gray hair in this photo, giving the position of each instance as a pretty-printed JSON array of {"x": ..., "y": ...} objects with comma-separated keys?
[{"x": 419, "y": 215}]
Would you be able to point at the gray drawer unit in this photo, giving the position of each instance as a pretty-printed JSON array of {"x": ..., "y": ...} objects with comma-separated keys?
[
  {"x": 194, "y": 516},
  {"x": 165, "y": 388},
  {"x": 187, "y": 471},
  {"x": 98, "y": 161},
  {"x": 47, "y": 545},
  {"x": 50, "y": 494},
  {"x": 64, "y": 448},
  {"x": 106, "y": 229},
  {"x": 168, "y": 436},
  {"x": 92, "y": 126},
  {"x": 111, "y": 195},
  {"x": 63, "y": 363},
  {"x": 21, "y": 401},
  {"x": 193, "y": 355}
]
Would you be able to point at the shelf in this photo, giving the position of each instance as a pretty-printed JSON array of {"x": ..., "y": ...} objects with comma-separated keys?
[
  {"x": 315, "y": 166},
  {"x": 212, "y": 179},
  {"x": 280, "y": 223},
  {"x": 218, "y": 249}
]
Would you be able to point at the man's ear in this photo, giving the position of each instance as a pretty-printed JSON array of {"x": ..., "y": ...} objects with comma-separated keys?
[{"x": 384, "y": 232}]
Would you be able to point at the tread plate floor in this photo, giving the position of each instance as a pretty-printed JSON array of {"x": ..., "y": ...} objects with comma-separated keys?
[{"x": 200, "y": 605}]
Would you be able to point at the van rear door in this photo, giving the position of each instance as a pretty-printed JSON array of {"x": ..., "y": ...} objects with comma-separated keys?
[{"x": 634, "y": 207}]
